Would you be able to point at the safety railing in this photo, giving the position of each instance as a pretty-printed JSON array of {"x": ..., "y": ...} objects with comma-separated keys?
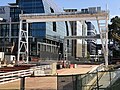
[
  {"x": 6, "y": 77},
  {"x": 65, "y": 82},
  {"x": 12, "y": 76}
]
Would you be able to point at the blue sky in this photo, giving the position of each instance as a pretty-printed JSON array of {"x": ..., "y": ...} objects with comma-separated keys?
[{"x": 113, "y": 5}]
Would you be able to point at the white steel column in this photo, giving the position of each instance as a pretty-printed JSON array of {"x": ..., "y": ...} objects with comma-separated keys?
[
  {"x": 103, "y": 29},
  {"x": 23, "y": 43},
  {"x": 27, "y": 53},
  {"x": 65, "y": 49},
  {"x": 106, "y": 56},
  {"x": 10, "y": 30},
  {"x": 19, "y": 46}
]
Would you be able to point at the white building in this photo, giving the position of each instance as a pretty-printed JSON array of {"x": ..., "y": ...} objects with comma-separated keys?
[
  {"x": 1, "y": 56},
  {"x": 81, "y": 44}
]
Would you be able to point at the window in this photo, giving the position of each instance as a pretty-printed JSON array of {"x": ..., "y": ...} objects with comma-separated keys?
[
  {"x": 52, "y": 11},
  {"x": 54, "y": 26}
]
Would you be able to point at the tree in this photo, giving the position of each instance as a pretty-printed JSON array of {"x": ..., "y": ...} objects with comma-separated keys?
[
  {"x": 114, "y": 35},
  {"x": 88, "y": 55}
]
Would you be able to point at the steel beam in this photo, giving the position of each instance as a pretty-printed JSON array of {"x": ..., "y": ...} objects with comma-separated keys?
[
  {"x": 74, "y": 16},
  {"x": 23, "y": 43},
  {"x": 82, "y": 37}
]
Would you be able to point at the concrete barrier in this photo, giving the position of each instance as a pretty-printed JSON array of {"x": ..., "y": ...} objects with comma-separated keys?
[{"x": 75, "y": 65}]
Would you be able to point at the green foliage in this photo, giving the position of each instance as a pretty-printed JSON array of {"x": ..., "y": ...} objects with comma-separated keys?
[
  {"x": 88, "y": 55},
  {"x": 114, "y": 27},
  {"x": 116, "y": 53}
]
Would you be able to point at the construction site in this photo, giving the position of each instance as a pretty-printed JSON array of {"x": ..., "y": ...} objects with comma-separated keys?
[{"x": 57, "y": 59}]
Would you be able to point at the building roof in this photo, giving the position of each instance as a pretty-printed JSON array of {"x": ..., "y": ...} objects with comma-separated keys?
[{"x": 16, "y": 3}]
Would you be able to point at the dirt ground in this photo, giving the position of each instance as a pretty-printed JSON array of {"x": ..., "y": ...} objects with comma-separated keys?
[
  {"x": 49, "y": 82},
  {"x": 33, "y": 83},
  {"x": 81, "y": 69}
]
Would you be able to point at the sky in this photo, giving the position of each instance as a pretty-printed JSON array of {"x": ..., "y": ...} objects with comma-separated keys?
[{"x": 113, "y": 5}]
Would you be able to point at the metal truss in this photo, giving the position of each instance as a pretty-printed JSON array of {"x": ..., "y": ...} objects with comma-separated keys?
[
  {"x": 23, "y": 43},
  {"x": 74, "y": 16},
  {"x": 103, "y": 30}
]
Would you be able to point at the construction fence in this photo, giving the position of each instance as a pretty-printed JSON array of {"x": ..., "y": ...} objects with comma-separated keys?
[{"x": 99, "y": 80}]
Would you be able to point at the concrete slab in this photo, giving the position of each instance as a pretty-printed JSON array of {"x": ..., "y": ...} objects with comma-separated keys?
[
  {"x": 46, "y": 83},
  {"x": 81, "y": 69}
]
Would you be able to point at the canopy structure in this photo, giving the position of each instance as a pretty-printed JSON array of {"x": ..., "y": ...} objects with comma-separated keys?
[{"x": 102, "y": 18}]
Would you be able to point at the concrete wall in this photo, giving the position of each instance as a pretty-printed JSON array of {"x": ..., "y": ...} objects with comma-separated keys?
[
  {"x": 9, "y": 58},
  {"x": 1, "y": 56},
  {"x": 49, "y": 69},
  {"x": 79, "y": 41},
  {"x": 81, "y": 46}
]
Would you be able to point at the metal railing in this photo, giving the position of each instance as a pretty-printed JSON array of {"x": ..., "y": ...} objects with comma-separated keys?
[
  {"x": 101, "y": 80},
  {"x": 13, "y": 76},
  {"x": 6, "y": 77}
]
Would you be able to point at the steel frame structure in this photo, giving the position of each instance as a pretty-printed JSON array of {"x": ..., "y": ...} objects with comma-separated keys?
[
  {"x": 102, "y": 16},
  {"x": 23, "y": 42}
]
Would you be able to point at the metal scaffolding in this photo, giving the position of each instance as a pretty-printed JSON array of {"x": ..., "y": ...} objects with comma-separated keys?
[
  {"x": 23, "y": 43},
  {"x": 67, "y": 16}
]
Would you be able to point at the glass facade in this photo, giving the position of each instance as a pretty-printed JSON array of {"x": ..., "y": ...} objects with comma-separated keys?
[
  {"x": 46, "y": 32},
  {"x": 14, "y": 14},
  {"x": 91, "y": 31},
  {"x": 31, "y": 6},
  {"x": 44, "y": 29}
]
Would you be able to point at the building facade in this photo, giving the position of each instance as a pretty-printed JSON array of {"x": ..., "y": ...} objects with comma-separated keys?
[
  {"x": 81, "y": 45},
  {"x": 91, "y": 44},
  {"x": 45, "y": 38},
  {"x": 78, "y": 28}
]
